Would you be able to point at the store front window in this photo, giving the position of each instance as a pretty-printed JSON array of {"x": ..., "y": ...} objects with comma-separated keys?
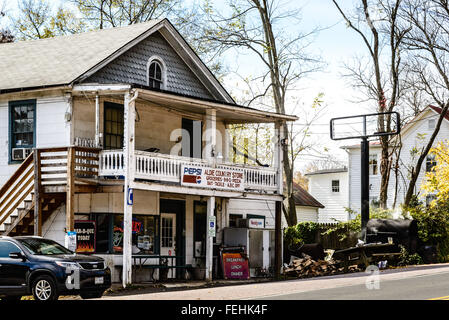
[
  {"x": 109, "y": 233},
  {"x": 145, "y": 234}
]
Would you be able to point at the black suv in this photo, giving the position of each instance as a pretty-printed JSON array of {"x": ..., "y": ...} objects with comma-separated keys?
[{"x": 46, "y": 269}]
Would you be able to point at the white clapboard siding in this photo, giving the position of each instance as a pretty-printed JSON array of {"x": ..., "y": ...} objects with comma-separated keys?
[
  {"x": 254, "y": 207},
  {"x": 320, "y": 187},
  {"x": 52, "y": 130},
  {"x": 307, "y": 214}
]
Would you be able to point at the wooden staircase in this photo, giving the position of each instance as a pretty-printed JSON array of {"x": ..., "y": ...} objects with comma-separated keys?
[
  {"x": 49, "y": 177},
  {"x": 23, "y": 222}
]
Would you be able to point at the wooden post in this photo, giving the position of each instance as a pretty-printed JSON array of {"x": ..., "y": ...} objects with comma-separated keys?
[
  {"x": 37, "y": 194},
  {"x": 70, "y": 190},
  {"x": 279, "y": 160},
  {"x": 225, "y": 144},
  {"x": 129, "y": 167},
  {"x": 211, "y": 136},
  {"x": 278, "y": 240}
]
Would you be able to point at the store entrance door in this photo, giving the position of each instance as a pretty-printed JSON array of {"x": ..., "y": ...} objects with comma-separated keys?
[{"x": 168, "y": 239}]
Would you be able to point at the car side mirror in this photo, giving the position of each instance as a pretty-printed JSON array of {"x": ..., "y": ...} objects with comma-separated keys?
[{"x": 17, "y": 255}]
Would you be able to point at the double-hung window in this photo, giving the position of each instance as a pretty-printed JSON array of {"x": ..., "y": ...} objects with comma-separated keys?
[
  {"x": 373, "y": 167},
  {"x": 335, "y": 186},
  {"x": 22, "y": 125},
  {"x": 113, "y": 126}
]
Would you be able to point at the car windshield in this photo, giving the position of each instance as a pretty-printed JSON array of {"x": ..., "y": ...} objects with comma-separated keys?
[{"x": 44, "y": 247}]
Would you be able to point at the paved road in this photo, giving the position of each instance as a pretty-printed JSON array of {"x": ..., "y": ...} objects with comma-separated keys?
[
  {"x": 422, "y": 282},
  {"x": 420, "y": 287}
]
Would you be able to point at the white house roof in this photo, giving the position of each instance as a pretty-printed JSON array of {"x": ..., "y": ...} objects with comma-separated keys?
[
  {"x": 327, "y": 171},
  {"x": 61, "y": 60}
]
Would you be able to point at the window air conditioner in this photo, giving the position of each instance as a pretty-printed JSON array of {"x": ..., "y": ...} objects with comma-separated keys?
[{"x": 20, "y": 153}]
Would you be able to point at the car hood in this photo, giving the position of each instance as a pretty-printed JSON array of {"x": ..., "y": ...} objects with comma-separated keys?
[{"x": 71, "y": 258}]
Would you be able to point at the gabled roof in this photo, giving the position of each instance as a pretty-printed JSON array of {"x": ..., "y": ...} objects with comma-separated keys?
[
  {"x": 420, "y": 116},
  {"x": 303, "y": 198},
  {"x": 439, "y": 110},
  {"x": 65, "y": 60}
]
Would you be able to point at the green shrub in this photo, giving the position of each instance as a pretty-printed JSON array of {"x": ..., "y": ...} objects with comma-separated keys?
[
  {"x": 355, "y": 225},
  {"x": 433, "y": 225},
  {"x": 406, "y": 259},
  {"x": 303, "y": 232}
]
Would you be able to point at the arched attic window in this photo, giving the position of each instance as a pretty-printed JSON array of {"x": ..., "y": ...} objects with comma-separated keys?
[{"x": 156, "y": 73}]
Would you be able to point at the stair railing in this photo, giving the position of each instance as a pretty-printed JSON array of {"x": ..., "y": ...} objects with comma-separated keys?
[{"x": 18, "y": 187}]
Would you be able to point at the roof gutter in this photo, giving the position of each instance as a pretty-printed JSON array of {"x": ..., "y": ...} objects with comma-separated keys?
[
  {"x": 36, "y": 88},
  {"x": 219, "y": 105}
]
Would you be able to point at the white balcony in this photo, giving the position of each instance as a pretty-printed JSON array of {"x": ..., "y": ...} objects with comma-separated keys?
[{"x": 166, "y": 168}]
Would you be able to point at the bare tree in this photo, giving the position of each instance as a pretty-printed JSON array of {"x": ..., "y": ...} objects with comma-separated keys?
[
  {"x": 255, "y": 26},
  {"x": 429, "y": 44},
  {"x": 379, "y": 76},
  {"x": 5, "y": 34},
  {"x": 101, "y": 14}
]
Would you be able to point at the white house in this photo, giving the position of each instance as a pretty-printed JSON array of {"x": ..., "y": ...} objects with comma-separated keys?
[
  {"x": 126, "y": 128},
  {"x": 414, "y": 137},
  {"x": 331, "y": 189}
]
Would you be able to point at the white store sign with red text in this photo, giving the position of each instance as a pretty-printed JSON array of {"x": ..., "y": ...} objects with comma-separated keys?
[{"x": 212, "y": 178}]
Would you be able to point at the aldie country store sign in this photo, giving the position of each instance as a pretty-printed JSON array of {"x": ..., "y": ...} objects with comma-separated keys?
[{"x": 212, "y": 178}]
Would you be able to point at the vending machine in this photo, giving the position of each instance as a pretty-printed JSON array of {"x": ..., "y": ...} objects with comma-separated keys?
[{"x": 258, "y": 244}]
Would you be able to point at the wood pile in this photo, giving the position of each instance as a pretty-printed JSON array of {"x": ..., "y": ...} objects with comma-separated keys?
[{"x": 306, "y": 267}]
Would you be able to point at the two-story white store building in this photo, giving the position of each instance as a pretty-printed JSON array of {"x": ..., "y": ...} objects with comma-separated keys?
[{"x": 125, "y": 129}]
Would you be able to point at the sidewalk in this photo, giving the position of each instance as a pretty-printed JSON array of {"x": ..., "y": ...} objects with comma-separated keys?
[{"x": 158, "y": 287}]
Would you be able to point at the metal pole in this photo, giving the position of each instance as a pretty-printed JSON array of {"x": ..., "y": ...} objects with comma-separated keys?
[
  {"x": 209, "y": 239},
  {"x": 365, "y": 185},
  {"x": 278, "y": 240},
  {"x": 97, "y": 121}
]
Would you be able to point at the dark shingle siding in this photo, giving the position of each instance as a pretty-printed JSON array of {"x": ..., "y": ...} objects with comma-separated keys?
[{"x": 131, "y": 67}]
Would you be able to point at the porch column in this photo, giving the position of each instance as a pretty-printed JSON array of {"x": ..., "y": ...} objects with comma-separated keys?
[
  {"x": 209, "y": 239},
  {"x": 129, "y": 165},
  {"x": 226, "y": 144},
  {"x": 278, "y": 156},
  {"x": 211, "y": 135},
  {"x": 70, "y": 191},
  {"x": 37, "y": 194}
]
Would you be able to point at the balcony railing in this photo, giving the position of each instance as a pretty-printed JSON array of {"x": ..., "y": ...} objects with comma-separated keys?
[{"x": 166, "y": 168}]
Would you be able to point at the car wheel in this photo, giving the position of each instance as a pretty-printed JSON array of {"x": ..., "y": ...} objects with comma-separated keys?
[
  {"x": 11, "y": 298},
  {"x": 44, "y": 289},
  {"x": 91, "y": 295}
]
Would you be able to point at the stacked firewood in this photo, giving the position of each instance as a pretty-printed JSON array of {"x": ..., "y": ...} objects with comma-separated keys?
[{"x": 306, "y": 267}]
